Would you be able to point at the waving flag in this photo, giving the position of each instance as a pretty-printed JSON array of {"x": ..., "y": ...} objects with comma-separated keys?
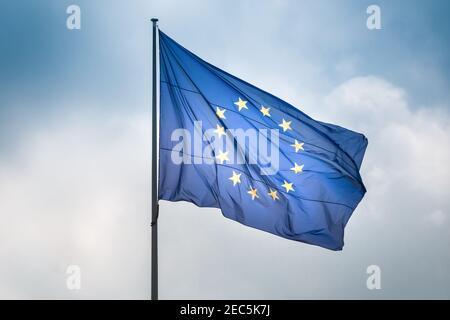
[{"x": 225, "y": 143}]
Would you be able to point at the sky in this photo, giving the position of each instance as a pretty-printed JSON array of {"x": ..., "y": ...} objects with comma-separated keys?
[{"x": 75, "y": 148}]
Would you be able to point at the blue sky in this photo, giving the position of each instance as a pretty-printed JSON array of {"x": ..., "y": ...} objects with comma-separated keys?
[
  {"x": 39, "y": 54},
  {"x": 74, "y": 111}
]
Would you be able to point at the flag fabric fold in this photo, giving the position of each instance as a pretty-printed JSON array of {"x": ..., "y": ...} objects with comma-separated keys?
[{"x": 224, "y": 143}]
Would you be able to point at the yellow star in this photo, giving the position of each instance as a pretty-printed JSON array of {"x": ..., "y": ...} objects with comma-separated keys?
[
  {"x": 253, "y": 193},
  {"x": 297, "y": 168},
  {"x": 220, "y": 131},
  {"x": 220, "y": 113},
  {"x": 222, "y": 157},
  {"x": 297, "y": 145},
  {"x": 236, "y": 178},
  {"x": 241, "y": 104},
  {"x": 288, "y": 186},
  {"x": 286, "y": 125},
  {"x": 273, "y": 194},
  {"x": 265, "y": 111}
]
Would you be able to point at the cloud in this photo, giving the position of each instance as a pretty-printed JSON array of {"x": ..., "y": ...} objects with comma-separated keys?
[
  {"x": 76, "y": 191},
  {"x": 408, "y": 151},
  {"x": 437, "y": 217}
]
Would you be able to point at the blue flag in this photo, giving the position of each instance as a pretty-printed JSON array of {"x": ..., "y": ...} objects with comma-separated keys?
[{"x": 226, "y": 144}]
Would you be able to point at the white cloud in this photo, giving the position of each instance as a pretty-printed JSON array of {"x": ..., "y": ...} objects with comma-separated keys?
[
  {"x": 408, "y": 145},
  {"x": 437, "y": 217},
  {"x": 77, "y": 192}
]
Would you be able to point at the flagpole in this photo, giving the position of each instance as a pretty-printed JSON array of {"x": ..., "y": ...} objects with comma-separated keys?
[{"x": 155, "y": 206}]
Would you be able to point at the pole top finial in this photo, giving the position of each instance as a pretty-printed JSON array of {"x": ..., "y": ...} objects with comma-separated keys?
[{"x": 154, "y": 20}]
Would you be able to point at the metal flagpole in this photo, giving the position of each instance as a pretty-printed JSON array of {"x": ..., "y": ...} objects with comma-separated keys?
[{"x": 155, "y": 206}]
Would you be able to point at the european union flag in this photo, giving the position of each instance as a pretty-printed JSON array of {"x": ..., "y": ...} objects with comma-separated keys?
[{"x": 225, "y": 143}]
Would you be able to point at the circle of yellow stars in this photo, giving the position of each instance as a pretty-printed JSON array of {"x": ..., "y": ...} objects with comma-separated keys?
[{"x": 222, "y": 157}]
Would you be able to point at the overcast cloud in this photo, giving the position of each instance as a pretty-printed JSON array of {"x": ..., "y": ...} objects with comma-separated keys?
[{"x": 75, "y": 149}]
